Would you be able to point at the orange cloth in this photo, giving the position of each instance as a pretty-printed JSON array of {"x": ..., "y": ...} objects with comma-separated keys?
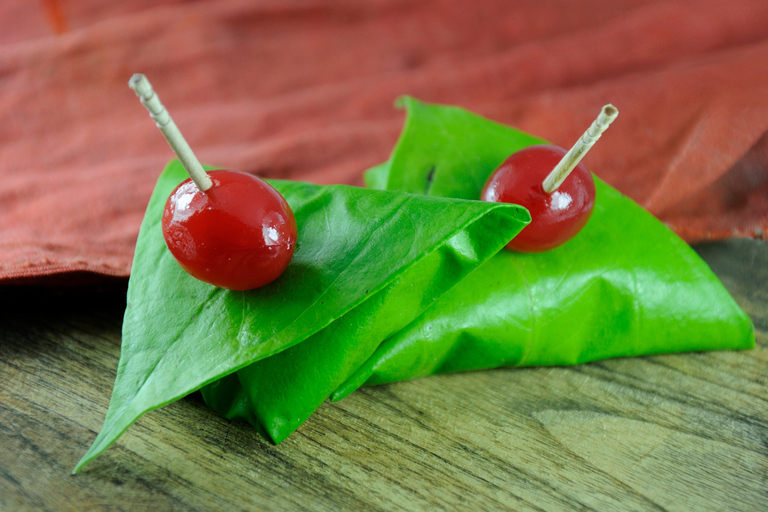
[{"x": 304, "y": 90}]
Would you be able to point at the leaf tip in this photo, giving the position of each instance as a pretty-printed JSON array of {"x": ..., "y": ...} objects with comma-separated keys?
[
  {"x": 404, "y": 101},
  {"x": 79, "y": 466},
  {"x": 85, "y": 459}
]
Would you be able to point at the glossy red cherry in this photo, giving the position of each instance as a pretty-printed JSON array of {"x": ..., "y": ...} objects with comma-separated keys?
[
  {"x": 555, "y": 217},
  {"x": 239, "y": 234}
]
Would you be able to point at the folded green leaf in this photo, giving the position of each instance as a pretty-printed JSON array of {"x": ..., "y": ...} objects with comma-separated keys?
[
  {"x": 287, "y": 388},
  {"x": 624, "y": 286},
  {"x": 447, "y": 152},
  {"x": 180, "y": 334},
  {"x": 227, "y": 397}
]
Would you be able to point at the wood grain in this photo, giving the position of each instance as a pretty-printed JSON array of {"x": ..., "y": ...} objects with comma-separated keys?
[{"x": 673, "y": 432}]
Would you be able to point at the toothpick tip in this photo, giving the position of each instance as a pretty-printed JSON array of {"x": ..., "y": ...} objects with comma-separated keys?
[
  {"x": 576, "y": 153},
  {"x": 608, "y": 114},
  {"x": 140, "y": 85},
  {"x": 170, "y": 131}
]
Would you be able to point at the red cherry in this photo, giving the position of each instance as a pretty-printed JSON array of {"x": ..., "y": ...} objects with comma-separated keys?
[
  {"x": 555, "y": 217},
  {"x": 239, "y": 234}
]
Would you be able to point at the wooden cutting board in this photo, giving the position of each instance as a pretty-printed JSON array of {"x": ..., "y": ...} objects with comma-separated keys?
[{"x": 673, "y": 432}]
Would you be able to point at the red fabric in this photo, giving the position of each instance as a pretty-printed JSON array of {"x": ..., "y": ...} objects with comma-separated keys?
[{"x": 304, "y": 90}]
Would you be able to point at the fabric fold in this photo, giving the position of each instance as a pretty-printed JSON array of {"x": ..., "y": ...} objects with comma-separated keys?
[{"x": 304, "y": 92}]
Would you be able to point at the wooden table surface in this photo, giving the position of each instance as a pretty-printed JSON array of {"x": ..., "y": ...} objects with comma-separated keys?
[{"x": 672, "y": 432}]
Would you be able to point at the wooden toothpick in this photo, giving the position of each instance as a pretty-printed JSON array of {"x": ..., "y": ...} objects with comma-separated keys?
[
  {"x": 577, "y": 152},
  {"x": 170, "y": 131}
]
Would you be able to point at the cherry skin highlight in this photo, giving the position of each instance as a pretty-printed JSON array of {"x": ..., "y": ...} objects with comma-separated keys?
[
  {"x": 239, "y": 234},
  {"x": 555, "y": 217}
]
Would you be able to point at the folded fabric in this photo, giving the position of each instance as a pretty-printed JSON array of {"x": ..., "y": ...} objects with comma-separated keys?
[
  {"x": 361, "y": 254},
  {"x": 303, "y": 90}
]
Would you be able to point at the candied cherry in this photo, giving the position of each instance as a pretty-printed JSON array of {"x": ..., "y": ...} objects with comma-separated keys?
[
  {"x": 239, "y": 234},
  {"x": 227, "y": 228},
  {"x": 553, "y": 185},
  {"x": 555, "y": 217}
]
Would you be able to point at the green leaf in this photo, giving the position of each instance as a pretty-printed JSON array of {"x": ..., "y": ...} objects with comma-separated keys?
[
  {"x": 288, "y": 387},
  {"x": 227, "y": 397},
  {"x": 180, "y": 334},
  {"x": 446, "y": 152},
  {"x": 625, "y": 286}
]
